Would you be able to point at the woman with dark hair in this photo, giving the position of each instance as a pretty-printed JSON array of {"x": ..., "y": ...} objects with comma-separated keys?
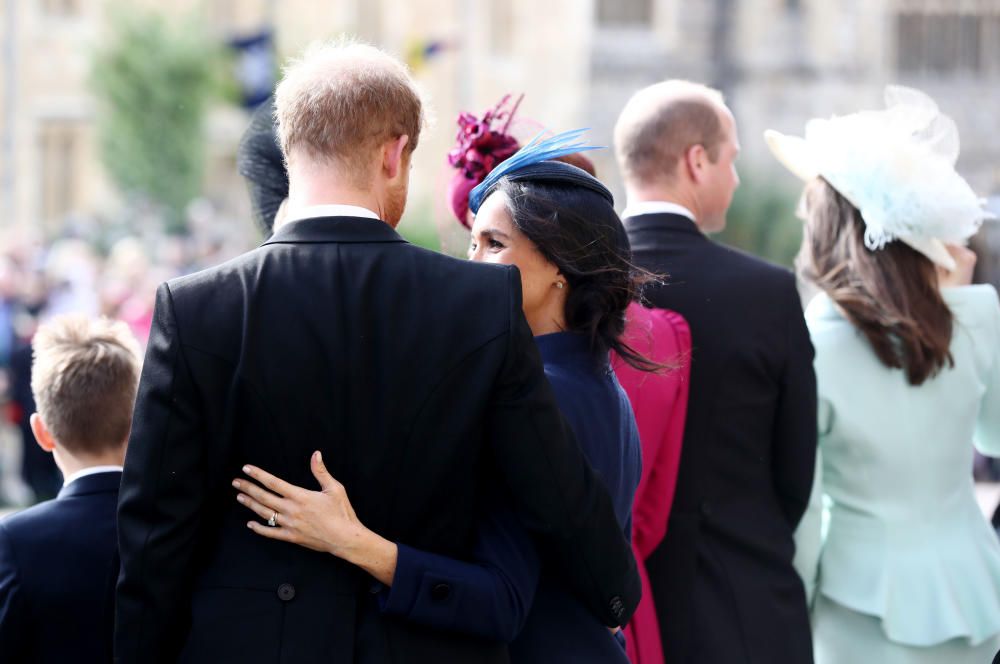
[
  {"x": 260, "y": 162},
  {"x": 557, "y": 224},
  {"x": 906, "y": 569},
  {"x": 659, "y": 400}
]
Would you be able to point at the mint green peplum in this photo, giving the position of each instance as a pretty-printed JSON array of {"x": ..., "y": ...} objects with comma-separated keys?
[{"x": 893, "y": 530}]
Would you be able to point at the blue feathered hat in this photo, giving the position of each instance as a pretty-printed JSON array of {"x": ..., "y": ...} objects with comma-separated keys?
[{"x": 533, "y": 162}]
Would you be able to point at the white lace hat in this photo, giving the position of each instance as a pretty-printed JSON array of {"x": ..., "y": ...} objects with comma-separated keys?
[{"x": 897, "y": 166}]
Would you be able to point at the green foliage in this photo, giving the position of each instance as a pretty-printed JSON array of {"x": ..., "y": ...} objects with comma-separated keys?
[
  {"x": 418, "y": 227},
  {"x": 420, "y": 233},
  {"x": 762, "y": 221},
  {"x": 154, "y": 80}
]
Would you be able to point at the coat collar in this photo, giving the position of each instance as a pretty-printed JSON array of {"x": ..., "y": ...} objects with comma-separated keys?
[
  {"x": 97, "y": 483},
  {"x": 662, "y": 222},
  {"x": 334, "y": 229}
]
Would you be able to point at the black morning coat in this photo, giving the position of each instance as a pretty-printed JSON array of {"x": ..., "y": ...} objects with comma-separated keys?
[
  {"x": 416, "y": 376},
  {"x": 722, "y": 579}
]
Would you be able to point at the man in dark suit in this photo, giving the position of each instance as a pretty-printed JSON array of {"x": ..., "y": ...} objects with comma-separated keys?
[
  {"x": 413, "y": 373},
  {"x": 723, "y": 581},
  {"x": 58, "y": 560}
]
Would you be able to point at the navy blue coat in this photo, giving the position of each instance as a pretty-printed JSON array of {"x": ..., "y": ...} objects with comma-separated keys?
[
  {"x": 513, "y": 592},
  {"x": 58, "y": 566}
]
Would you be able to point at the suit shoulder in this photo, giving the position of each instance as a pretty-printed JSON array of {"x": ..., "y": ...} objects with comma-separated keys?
[
  {"x": 471, "y": 273},
  {"x": 210, "y": 278},
  {"x": 748, "y": 278},
  {"x": 463, "y": 286},
  {"x": 753, "y": 267},
  {"x": 24, "y": 524}
]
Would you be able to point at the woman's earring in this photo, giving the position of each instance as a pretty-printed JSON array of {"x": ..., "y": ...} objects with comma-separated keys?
[{"x": 559, "y": 285}]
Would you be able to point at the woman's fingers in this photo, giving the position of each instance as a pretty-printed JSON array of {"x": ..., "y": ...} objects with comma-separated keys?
[
  {"x": 281, "y": 534},
  {"x": 965, "y": 266},
  {"x": 263, "y": 511},
  {"x": 961, "y": 253},
  {"x": 266, "y": 498},
  {"x": 275, "y": 484}
]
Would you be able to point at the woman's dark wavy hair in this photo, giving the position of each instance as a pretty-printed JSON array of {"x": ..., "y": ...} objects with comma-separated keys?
[
  {"x": 577, "y": 230},
  {"x": 890, "y": 295}
]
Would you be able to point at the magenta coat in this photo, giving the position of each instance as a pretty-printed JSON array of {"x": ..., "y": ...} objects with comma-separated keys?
[{"x": 660, "y": 405}]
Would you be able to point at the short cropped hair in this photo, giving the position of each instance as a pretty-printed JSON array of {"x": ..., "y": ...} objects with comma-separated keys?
[
  {"x": 339, "y": 101},
  {"x": 658, "y": 125},
  {"x": 84, "y": 377}
]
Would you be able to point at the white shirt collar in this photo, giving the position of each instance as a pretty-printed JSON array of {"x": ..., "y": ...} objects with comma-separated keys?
[
  {"x": 93, "y": 470},
  {"x": 636, "y": 208},
  {"x": 333, "y": 210}
]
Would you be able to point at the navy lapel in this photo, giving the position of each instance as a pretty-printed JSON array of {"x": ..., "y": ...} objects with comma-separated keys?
[{"x": 105, "y": 482}]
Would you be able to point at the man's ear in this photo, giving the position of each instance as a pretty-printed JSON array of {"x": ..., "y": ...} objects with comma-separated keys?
[
  {"x": 695, "y": 159},
  {"x": 392, "y": 156},
  {"x": 42, "y": 434}
]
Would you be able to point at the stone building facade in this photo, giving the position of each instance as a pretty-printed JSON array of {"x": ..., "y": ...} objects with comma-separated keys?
[{"x": 779, "y": 62}]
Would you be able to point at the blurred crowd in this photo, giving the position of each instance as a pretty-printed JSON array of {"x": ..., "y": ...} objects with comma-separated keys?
[{"x": 114, "y": 274}]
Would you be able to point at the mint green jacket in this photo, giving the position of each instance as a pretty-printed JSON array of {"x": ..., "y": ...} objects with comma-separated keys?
[{"x": 893, "y": 529}]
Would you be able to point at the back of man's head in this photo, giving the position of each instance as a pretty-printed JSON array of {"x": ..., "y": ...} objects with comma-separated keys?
[
  {"x": 340, "y": 102},
  {"x": 84, "y": 378},
  {"x": 659, "y": 123}
]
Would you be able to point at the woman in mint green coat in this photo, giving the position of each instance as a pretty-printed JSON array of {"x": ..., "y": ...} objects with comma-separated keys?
[{"x": 901, "y": 565}]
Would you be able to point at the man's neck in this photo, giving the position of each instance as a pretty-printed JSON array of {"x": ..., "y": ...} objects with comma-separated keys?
[
  {"x": 327, "y": 210},
  {"x": 297, "y": 200},
  {"x": 297, "y": 203},
  {"x": 70, "y": 464},
  {"x": 664, "y": 195},
  {"x": 661, "y": 201},
  {"x": 309, "y": 187}
]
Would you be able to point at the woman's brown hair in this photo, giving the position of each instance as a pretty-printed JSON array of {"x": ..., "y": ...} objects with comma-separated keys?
[{"x": 890, "y": 295}]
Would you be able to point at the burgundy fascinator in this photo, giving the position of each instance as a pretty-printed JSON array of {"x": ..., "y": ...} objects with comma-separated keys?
[{"x": 482, "y": 143}]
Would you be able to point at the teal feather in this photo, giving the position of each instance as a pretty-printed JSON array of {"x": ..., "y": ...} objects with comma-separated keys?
[{"x": 560, "y": 145}]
